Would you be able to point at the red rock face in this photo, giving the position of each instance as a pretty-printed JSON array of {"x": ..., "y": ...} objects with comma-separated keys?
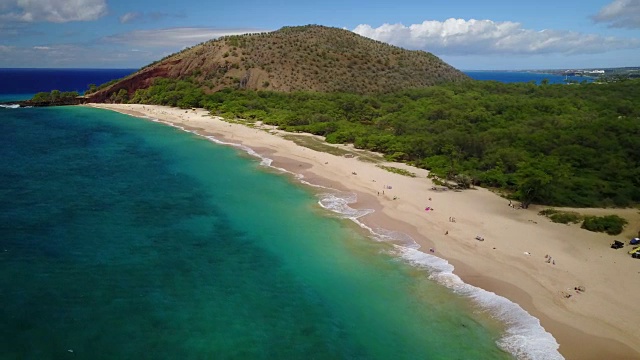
[{"x": 140, "y": 80}]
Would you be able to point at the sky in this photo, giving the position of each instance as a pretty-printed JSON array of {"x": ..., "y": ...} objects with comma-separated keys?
[{"x": 468, "y": 34}]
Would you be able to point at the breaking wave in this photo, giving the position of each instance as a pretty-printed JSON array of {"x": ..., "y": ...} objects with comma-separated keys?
[{"x": 525, "y": 337}]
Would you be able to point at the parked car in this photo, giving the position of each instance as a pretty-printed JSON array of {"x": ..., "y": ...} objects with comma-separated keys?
[{"x": 617, "y": 244}]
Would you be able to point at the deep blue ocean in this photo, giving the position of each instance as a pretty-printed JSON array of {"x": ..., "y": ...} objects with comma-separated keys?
[
  {"x": 124, "y": 238},
  {"x": 31, "y": 81},
  {"x": 524, "y": 76}
]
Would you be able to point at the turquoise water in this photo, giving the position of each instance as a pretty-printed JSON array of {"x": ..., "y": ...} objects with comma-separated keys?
[{"x": 122, "y": 238}]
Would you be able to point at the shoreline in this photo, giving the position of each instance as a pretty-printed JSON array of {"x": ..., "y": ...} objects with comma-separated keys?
[{"x": 591, "y": 325}]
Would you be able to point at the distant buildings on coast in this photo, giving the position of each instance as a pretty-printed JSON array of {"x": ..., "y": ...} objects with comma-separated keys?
[
  {"x": 602, "y": 73},
  {"x": 593, "y": 73}
]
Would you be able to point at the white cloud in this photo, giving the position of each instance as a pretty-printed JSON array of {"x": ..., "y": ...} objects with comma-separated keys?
[
  {"x": 42, "y": 47},
  {"x": 57, "y": 11},
  {"x": 175, "y": 37},
  {"x": 620, "y": 14},
  {"x": 128, "y": 17},
  {"x": 486, "y": 37}
]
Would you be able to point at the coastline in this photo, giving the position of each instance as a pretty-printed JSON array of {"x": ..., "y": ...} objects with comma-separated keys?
[{"x": 598, "y": 323}]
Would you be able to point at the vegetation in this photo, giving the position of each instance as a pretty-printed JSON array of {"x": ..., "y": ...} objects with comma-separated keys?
[
  {"x": 611, "y": 224},
  {"x": 177, "y": 93},
  {"x": 54, "y": 96},
  {"x": 562, "y": 217},
  {"x": 397, "y": 170}
]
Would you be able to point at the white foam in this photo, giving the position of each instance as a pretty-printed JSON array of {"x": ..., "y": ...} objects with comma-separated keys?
[
  {"x": 525, "y": 337},
  {"x": 395, "y": 237},
  {"x": 265, "y": 161},
  {"x": 11, "y": 106},
  {"x": 339, "y": 204}
]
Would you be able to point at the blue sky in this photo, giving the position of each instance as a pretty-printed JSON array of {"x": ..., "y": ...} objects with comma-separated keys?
[{"x": 483, "y": 35}]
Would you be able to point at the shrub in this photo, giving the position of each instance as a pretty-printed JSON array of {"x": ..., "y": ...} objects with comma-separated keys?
[
  {"x": 611, "y": 224},
  {"x": 397, "y": 171},
  {"x": 566, "y": 217},
  {"x": 562, "y": 217}
]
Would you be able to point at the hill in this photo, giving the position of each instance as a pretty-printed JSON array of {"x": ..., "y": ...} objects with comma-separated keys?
[{"x": 303, "y": 58}]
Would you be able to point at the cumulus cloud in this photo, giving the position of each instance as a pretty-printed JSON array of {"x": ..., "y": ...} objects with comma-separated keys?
[
  {"x": 486, "y": 37},
  {"x": 620, "y": 14},
  {"x": 176, "y": 38},
  {"x": 57, "y": 11}
]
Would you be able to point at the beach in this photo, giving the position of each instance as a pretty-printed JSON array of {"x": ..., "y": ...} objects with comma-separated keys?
[{"x": 523, "y": 257}]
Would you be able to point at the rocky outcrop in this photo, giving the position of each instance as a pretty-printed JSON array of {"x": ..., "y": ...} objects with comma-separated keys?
[{"x": 140, "y": 80}]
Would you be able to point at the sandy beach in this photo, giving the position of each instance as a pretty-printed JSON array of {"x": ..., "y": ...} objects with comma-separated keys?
[{"x": 524, "y": 256}]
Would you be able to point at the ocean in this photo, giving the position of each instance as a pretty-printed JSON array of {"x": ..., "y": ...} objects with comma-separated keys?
[
  {"x": 524, "y": 76},
  {"x": 126, "y": 238},
  {"x": 31, "y": 81}
]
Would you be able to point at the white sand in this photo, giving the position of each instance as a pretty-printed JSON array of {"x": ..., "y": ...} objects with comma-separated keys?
[{"x": 600, "y": 323}]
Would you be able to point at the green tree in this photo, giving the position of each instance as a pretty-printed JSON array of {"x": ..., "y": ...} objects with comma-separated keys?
[
  {"x": 42, "y": 97},
  {"x": 55, "y": 95},
  {"x": 531, "y": 181}
]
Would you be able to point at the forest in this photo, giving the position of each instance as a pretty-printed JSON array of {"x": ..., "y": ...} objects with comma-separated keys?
[{"x": 563, "y": 145}]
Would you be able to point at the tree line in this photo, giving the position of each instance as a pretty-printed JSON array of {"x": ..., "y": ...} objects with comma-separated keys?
[
  {"x": 54, "y": 96},
  {"x": 564, "y": 145}
]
